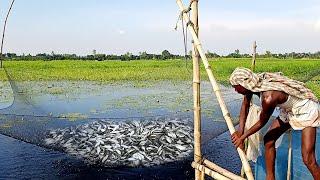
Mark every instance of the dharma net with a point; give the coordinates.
(118, 124)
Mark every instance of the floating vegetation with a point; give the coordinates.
(134, 143)
(6, 94)
(73, 116)
(56, 90)
(6, 125)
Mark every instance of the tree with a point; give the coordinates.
(268, 54)
(143, 55)
(236, 54)
(127, 56)
(212, 55)
(166, 54)
(100, 57)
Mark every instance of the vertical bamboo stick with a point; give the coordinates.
(289, 155)
(203, 174)
(253, 63)
(3, 32)
(196, 94)
(253, 66)
(217, 91)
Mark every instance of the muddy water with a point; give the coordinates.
(39, 106)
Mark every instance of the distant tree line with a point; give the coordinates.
(165, 55)
(94, 56)
(268, 54)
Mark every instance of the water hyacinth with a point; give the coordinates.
(133, 143)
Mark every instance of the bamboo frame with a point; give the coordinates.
(208, 171)
(217, 91)
(196, 95)
(3, 32)
(221, 170)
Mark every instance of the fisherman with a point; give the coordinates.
(299, 109)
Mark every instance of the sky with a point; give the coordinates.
(117, 27)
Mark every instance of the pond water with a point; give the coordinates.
(20, 160)
(6, 94)
(41, 106)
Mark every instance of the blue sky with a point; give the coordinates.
(116, 27)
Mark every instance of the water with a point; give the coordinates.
(20, 160)
(40, 106)
(6, 94)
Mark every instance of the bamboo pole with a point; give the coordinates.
(253, 67)
(217, 91)
(208, 171)
(3, 32)
(203, 174)
(221, 170)
(253, 63)
(289, 155)
(196, 94)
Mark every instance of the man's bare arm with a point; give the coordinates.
(269, 103)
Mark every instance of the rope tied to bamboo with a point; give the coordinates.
(184, 31)
(189, 23)
(187, 10)
(202, 158)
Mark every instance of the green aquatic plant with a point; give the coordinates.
(73, 116)
(141, 73)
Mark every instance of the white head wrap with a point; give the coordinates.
(270, 81)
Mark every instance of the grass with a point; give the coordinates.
(143, 71)
(3, 75)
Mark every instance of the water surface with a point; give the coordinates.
(42, 106)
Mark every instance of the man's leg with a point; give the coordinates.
(308, 140)
(277, 128)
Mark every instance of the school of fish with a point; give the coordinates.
(132, 143)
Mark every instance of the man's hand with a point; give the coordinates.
(237, 140)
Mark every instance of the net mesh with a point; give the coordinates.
(58, 115)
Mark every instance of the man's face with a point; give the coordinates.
(241, 90)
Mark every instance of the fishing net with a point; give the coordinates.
(118, 124)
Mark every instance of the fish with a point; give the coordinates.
(131, 143)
